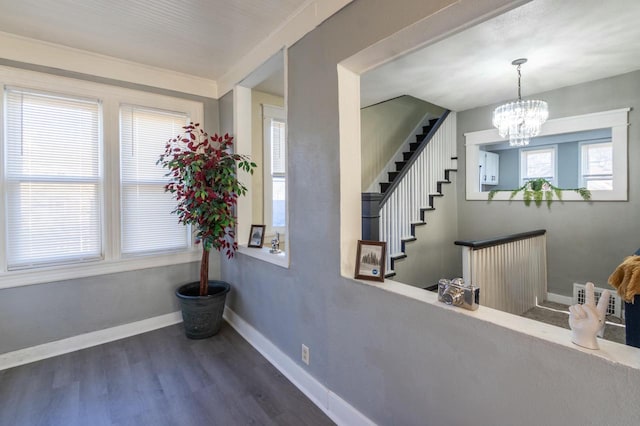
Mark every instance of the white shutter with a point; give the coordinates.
(53, 178)
(147, 224)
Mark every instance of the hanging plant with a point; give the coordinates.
(539, 190)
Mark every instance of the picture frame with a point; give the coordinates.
(371, 260)
(256, 236)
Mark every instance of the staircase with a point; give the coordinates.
(406, 155)
(417, 180)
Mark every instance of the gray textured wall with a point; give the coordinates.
(585, 241)
(397, 360)
(38, 314)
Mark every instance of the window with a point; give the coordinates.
(147, 224)
(80, 189)
(538, 163)
(596, 165)
(274, 125)
(53, 179)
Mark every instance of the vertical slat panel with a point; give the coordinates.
(512, 277)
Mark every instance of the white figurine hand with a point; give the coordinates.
(586, 320)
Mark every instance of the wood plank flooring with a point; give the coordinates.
(157, 378)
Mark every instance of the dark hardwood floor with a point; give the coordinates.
(156, 378)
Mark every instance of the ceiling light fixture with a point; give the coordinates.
(520, 120)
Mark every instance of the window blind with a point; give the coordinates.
(147, 224)
(53, 178)
(277, 148)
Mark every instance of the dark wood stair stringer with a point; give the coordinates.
(409, 157)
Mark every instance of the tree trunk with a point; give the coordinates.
(204, 272)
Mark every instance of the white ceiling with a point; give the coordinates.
(566, 41)
(198, 37)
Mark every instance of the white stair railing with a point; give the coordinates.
(403, 201)
(511, 271)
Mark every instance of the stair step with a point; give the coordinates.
(397, 256)
(420, 137)
(431, 287)
(392, 176)
(407, 239)
(414, 145)
(390, 274)
(454, 158)
(407, 155)
(384, 186)
(400, 165)
(428, 127)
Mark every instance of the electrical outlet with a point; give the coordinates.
(305, 354)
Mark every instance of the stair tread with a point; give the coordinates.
(409, 238)
(418, 222)
(400, 255)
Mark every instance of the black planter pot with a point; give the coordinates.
(202, 315)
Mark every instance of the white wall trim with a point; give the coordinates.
(23, 49)
(559, 298)
(339, 410)
(616, 119)
(83, 341)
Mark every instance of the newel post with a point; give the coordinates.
(371, 216)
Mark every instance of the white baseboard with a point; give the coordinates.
(338, 410)
(558, 298)
(82, 341)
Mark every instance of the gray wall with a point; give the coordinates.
(397, 360)
(585, 241)
(38, 314)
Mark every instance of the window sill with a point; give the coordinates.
(69, 272)
(281, 259)
(615, 353)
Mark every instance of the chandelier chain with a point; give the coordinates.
(519, 76)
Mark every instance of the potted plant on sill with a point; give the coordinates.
(202, 172)
(540, 189)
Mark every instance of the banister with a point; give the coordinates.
(413, 158)
(490, 242)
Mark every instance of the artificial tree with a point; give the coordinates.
(202, 169)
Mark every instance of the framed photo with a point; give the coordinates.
(256, 236)
(371, 260)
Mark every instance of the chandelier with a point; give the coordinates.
(520, 120)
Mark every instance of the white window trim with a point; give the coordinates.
(616, 119)
(582, 182)
(242, 132)
(553, 149)
(112, 97)
(269, 113)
